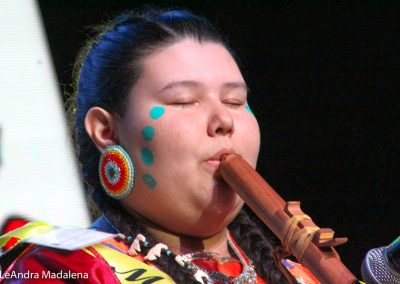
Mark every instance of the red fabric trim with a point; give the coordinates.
(11, 225)
(229, 268)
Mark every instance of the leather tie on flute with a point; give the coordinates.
(312, 246)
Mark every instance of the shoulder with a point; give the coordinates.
(28, 262)
(57, 266)
(105, 262)
(301, 273)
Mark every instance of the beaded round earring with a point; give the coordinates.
(117, 174)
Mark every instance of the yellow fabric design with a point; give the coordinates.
(27, 231)
(129, 269)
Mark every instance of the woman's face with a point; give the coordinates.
(187, 109)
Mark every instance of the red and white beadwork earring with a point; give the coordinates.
(117, 174)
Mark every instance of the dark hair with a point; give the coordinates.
(106, 71)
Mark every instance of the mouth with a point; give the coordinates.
(214, 161)
(213, 164)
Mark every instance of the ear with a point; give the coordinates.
(101, 128)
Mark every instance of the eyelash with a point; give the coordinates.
(182, 104)
(234, 104)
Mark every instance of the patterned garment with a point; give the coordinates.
(94, 267)
(109, 263)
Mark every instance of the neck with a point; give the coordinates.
(181, 244)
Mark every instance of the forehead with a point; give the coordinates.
(208, 63)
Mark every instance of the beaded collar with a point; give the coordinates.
(247, 276)
(208, 255)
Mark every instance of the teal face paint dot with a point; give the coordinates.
(157, 112)
(149, 181)
(147, 156)
(148, 133)
(249, 109)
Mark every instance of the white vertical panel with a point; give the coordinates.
(38, 173)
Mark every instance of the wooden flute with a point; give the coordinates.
(312, 246)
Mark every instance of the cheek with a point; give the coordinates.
(163, 141)
(175, 141)
(146, 136)
(249, 133)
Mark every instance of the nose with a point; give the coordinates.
(220, 121)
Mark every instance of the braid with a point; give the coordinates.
(129, 225)
(256, 244)
(246, 230)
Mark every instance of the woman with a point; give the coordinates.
(159, 99)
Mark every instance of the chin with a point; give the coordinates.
(213, 221)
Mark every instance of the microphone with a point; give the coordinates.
(382, 265)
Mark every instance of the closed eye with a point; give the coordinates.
(184, 103)
(234, 103)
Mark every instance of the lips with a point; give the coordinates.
(215, 160)
(213, 163)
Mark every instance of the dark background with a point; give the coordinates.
(324, 83)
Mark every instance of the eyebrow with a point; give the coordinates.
(196, 84)
(236, 85)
